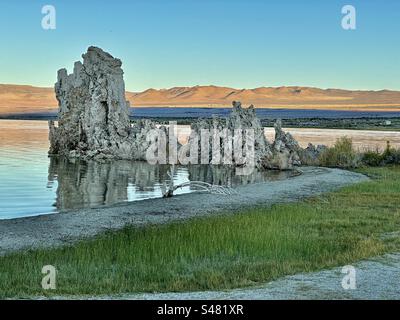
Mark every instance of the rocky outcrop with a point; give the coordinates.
(282, 154)
(239, 119)
(94, 114)
(311, 155)
(94, 122)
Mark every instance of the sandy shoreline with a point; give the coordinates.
(70, 226)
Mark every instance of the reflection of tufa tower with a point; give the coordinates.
(85, 184)
(93, 183)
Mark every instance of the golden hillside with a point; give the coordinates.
(24, 98)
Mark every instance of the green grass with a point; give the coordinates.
(222, 252)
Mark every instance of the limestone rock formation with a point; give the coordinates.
(285, 149)
(94, 114)
(311, 155)
(93, 120)
(282, 154)
(239, 118)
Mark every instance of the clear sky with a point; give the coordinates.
(236, 43)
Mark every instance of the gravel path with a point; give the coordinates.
(375, 279)
(70, 226)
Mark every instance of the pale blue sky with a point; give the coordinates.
(242, 44)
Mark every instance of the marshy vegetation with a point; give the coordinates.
(343, 155)
(387, 157)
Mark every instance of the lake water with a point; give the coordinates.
(31, 183)
(196, 112)
(278, 113)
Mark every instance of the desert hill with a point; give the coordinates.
(266, 97)
(25, 98)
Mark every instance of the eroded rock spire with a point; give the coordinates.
(93, 112)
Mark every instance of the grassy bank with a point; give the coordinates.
(257, 245)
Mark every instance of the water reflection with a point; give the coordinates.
(90, 184)
(226, 176)
(32, 184)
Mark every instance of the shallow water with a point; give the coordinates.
(31, 183)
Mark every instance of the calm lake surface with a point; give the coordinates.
(31, 183)
(197, 112)
(279, 113)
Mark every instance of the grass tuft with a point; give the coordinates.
(341, 155)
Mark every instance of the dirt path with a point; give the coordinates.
(70, 226)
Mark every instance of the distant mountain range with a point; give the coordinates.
(24, 98)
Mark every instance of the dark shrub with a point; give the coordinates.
(372, 158)
(341, 155)
(375, 158)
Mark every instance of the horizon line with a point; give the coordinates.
(220, 86)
